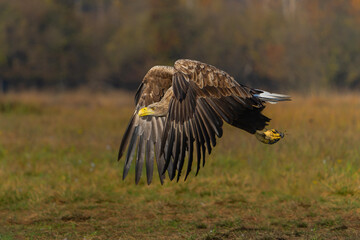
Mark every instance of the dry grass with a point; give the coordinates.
(60, 178)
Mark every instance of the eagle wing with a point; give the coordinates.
(143, 134)
(204, 97)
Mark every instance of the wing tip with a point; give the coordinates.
(120, 154)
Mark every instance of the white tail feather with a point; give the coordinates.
(272, 98)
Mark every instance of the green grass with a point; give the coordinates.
(60, 178)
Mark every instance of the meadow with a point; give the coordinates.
(60, 178)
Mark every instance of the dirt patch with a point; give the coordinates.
(76, 217)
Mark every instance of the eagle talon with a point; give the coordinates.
(269, 136)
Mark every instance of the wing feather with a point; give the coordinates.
(190, 147)
(140, 159)
(200, 125)
(169, 148)
(129, 130)
(142, 135)
(182, 151)
(177, 152)
(160, 160)
(150, 161)
(194, 132)
(131, 151)
(202, 139)
(210, 121)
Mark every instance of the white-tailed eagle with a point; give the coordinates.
(182, 108)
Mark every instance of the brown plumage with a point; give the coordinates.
(182, 108)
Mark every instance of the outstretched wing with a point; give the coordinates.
(204, 96)
(143, 135)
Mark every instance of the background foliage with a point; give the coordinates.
(292, 44)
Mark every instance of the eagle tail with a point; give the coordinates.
(272, 98)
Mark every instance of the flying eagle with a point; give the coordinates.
(182, 108)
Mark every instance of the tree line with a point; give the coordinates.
(279, 44)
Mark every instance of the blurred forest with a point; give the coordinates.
(279, 44)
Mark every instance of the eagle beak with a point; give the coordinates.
(145, 112)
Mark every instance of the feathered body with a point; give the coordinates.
(182, 108)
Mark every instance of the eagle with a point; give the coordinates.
(182, 108)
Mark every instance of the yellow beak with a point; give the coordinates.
(145, 112)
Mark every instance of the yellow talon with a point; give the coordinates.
(269, 136)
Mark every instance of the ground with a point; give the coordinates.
(60, 178)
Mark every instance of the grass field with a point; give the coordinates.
(60, 178)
